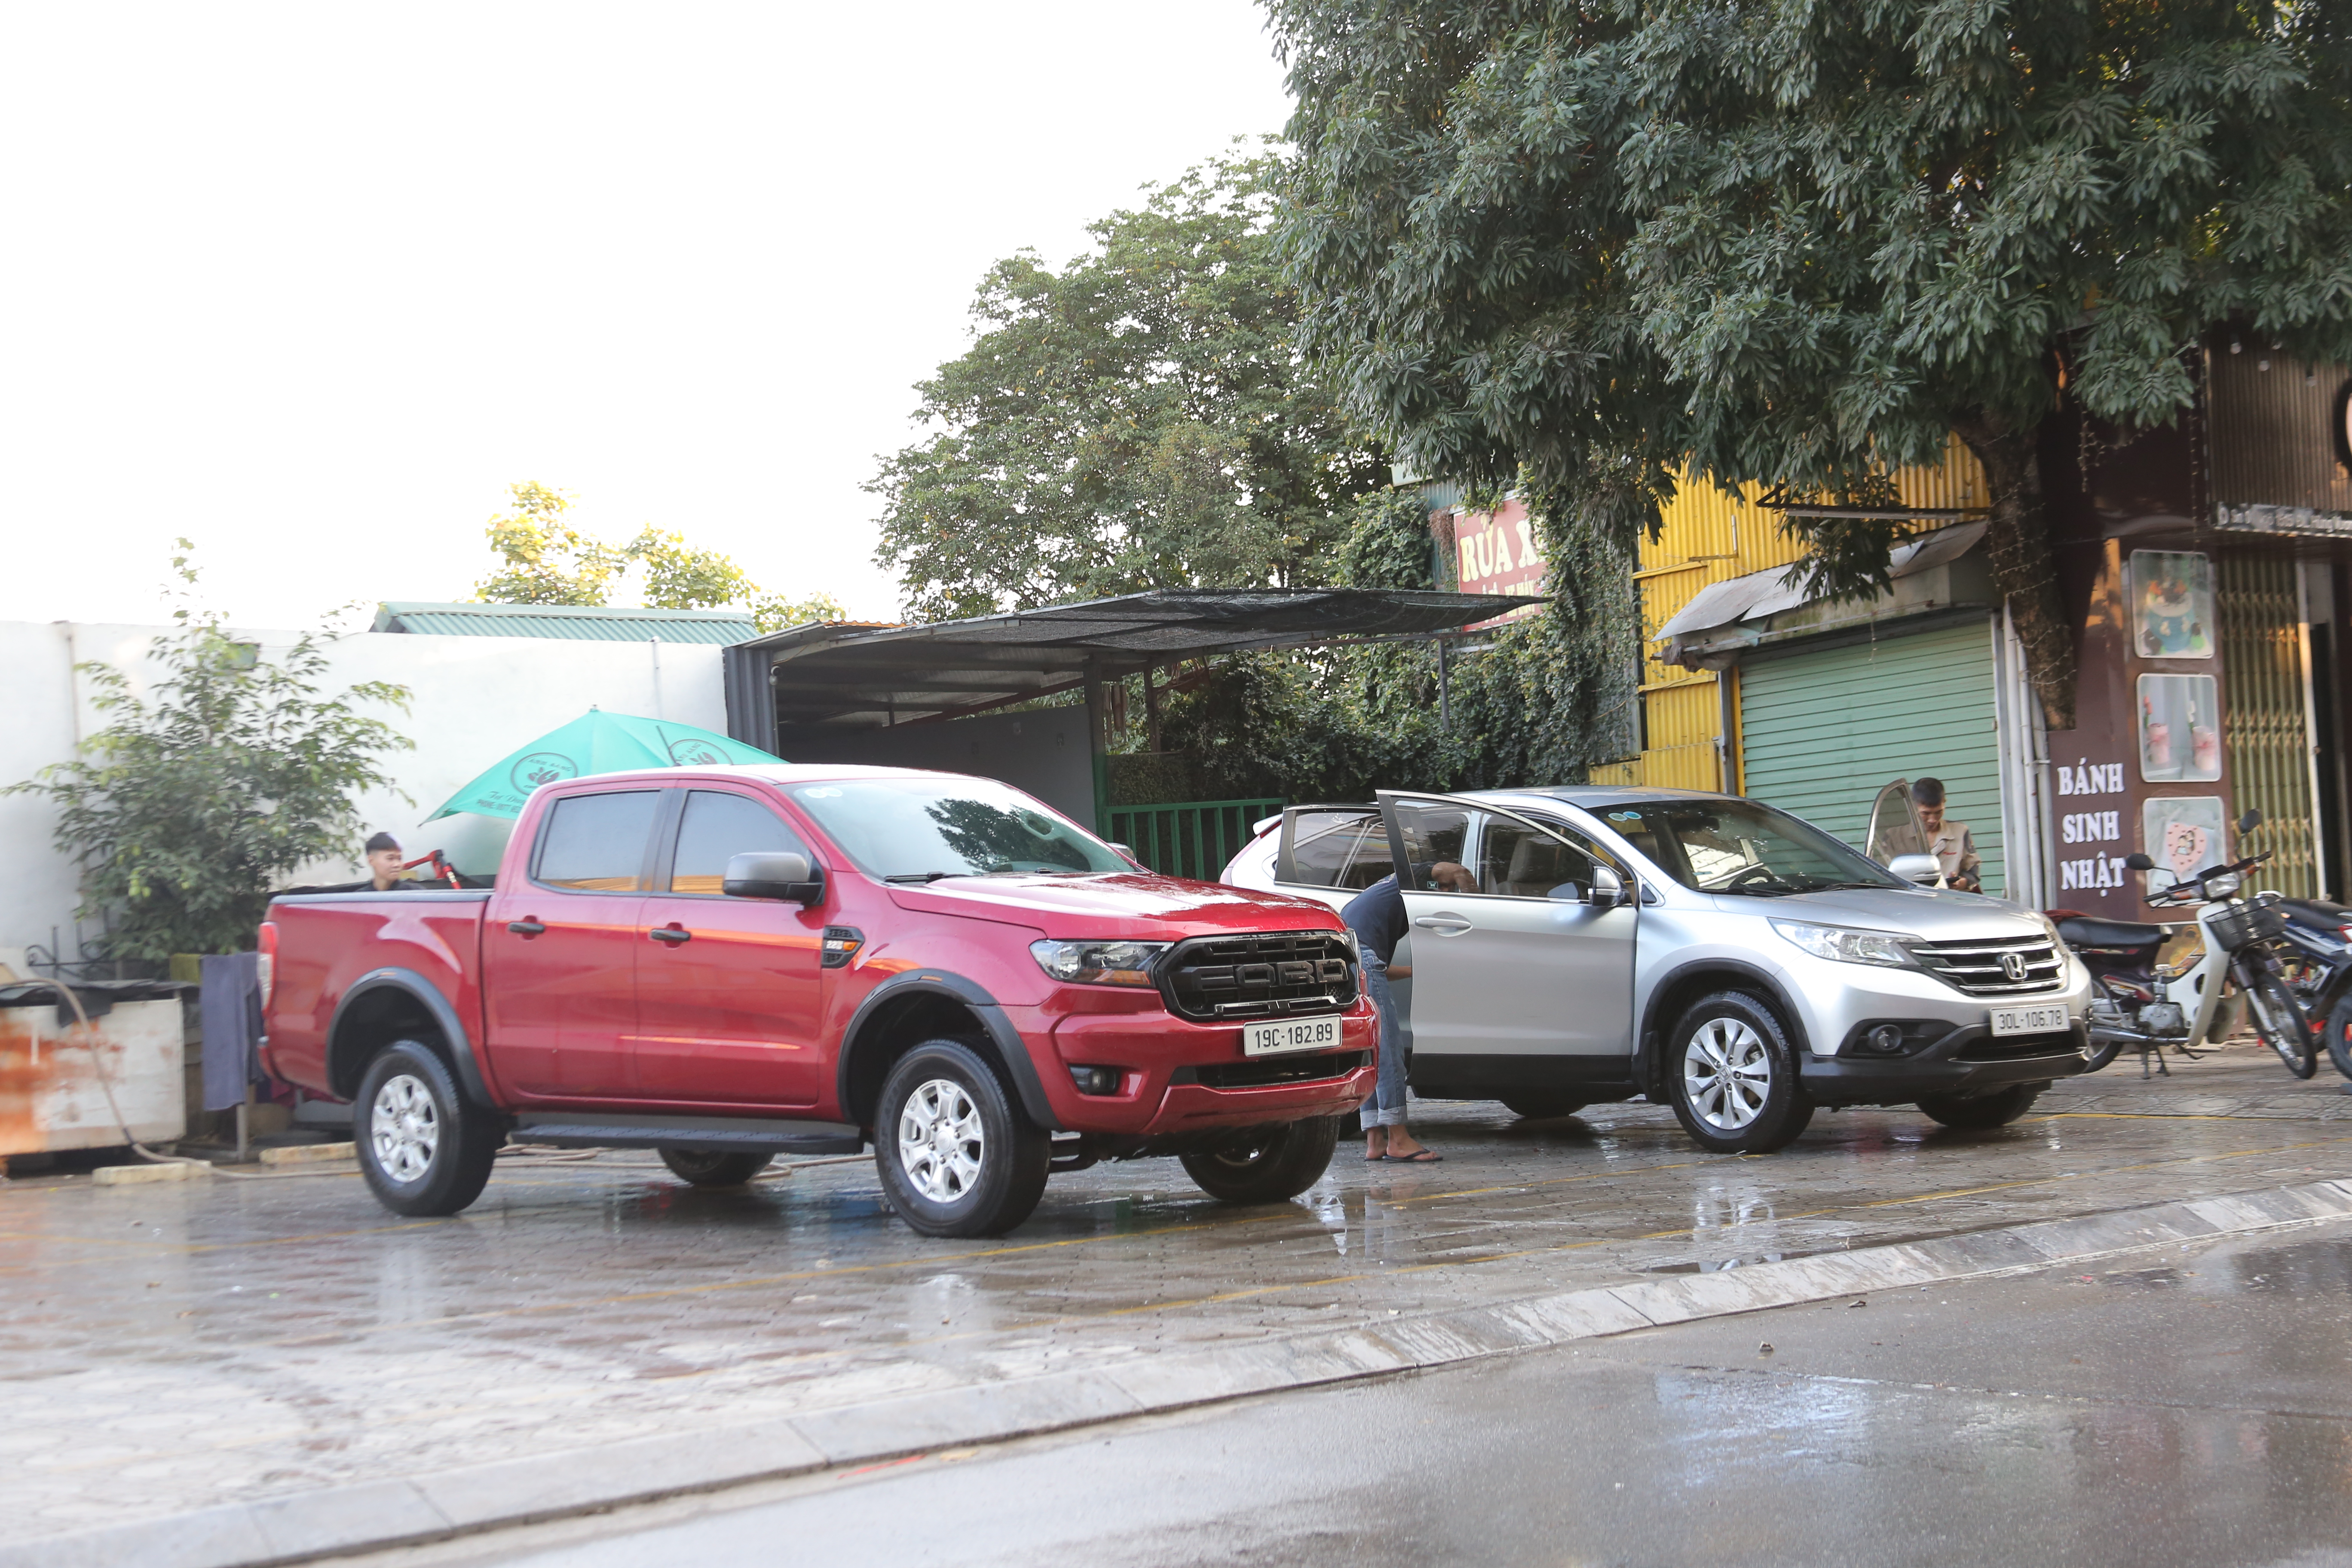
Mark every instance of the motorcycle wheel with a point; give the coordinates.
(2339, 1037)
(2100, 1055)
(2279, 1019)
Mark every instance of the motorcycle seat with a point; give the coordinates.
(2088, 931)
(2316, 912)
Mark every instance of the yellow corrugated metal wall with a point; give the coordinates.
(1709, 536)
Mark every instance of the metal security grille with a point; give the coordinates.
(1823, 730)
(2262, 726)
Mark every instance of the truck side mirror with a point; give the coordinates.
(1924, 869)
(787, 877)
(2138, 863)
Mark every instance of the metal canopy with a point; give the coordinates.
(858, 675)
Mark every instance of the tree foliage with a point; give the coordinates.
(1594, 240)
(548, 562)
(1141, 418)
(202, 795)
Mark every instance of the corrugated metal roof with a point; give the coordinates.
(574, 623)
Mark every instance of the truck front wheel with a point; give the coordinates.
(1732, 1077)
(957, 1154)
(421, 1148)
(1266, 1165)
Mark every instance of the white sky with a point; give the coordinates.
(312, 284)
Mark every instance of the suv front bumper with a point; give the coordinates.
(1965, 1061)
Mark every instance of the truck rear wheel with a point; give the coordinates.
(1268, 1165)
(708, 1170)
(1974, 1112)
(957, 1154)
(421, 1148)
(1732, 1077)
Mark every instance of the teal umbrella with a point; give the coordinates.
(595, 743)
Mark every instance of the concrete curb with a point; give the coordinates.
(375, 1514)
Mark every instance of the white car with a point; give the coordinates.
(1581, 944)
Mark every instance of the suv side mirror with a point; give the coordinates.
(1924, 869)
(787, 877)
(1607, 889)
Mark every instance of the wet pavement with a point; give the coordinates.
(2192, 1408)
(171, 1347)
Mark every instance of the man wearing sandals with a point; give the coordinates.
(1377, 917)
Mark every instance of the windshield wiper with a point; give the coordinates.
(924, 875)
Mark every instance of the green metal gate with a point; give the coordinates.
(1822, 731)
(1188, 838)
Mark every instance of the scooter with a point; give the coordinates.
(2241, 963)
(2320, 970)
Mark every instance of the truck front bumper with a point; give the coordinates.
(1177, 1077)
(1965, 1061)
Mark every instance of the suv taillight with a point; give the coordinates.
(267, 967)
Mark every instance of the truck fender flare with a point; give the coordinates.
(1649, 1062)
(445, 1018)
(983, 1006)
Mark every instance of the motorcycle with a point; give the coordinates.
(2320, 970)
(2154, 1008)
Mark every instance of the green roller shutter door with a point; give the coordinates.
(1821, 733)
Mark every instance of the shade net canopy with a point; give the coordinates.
(860, 675)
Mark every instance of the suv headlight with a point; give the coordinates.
(1098, 963)
(1848, 946)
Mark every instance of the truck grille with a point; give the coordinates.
(1262, 975)
(1981, 968)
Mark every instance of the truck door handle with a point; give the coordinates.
(671, 935)
(526, 927)
(1444, 925)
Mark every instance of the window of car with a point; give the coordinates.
(1341, 847)
(1732, 845)
(597, 843)
(1520, 860)
(714, 828)
(915, 829)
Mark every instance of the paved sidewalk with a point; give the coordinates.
(176, 1347)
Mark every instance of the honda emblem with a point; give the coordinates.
(2013, 965)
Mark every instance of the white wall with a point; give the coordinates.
(474, 700)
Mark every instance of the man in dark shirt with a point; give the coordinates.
(1377, 917)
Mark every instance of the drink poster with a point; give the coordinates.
(2179, 728)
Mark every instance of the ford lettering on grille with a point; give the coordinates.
(1278, 974)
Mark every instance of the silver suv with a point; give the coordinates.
(1575, 945)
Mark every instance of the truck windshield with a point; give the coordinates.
(1742, 846)
(918, 829)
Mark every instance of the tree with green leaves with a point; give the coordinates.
(1583, 244)
(206, 793)
(1141, 418)
(548, 562)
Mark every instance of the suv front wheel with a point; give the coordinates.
(958, 1156)
(1732, 1077)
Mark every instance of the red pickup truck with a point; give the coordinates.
(728, 964)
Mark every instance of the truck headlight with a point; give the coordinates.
(1098, 963)
(1846, 946)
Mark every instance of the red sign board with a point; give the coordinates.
(1496, 552)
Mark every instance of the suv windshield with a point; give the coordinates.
(1742, 846)
(916, 830)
